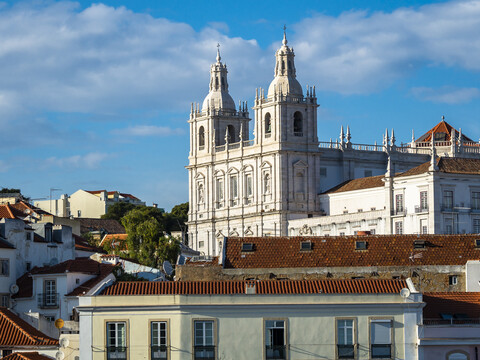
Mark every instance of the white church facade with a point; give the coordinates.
(266, 186)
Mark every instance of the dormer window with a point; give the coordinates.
(306, 245)
(247, 247)
(360, 245)
(419, 244)
(477, 243)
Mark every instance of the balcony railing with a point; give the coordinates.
(420, 209)
(275, 352)
(452, 321)
(47, 300)
(116, 352)
(399, 211)
(346, 351)
(159, 352)
(381, 351)
(204, 352)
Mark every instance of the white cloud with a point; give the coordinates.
(446, 94)
(360, 52)
(90, 161)
(148, 130)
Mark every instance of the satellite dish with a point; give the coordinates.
(59, 355)
(64, 342)
(14, 289)
(404, 293)
(167, 267)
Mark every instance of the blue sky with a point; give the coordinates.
(97, 95)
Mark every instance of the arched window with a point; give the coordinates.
(290, 67)
(457, 356)
(231, 133)
(283, 66)
(216, 83)
(223, 83)
(298, 124)
(201, 138)
(268, 124)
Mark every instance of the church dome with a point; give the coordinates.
(218, 100)
(288, 85)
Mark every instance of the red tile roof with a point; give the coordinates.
(79, 265)
(6, 212)
(382, 250)
(26, 356)
(444, 131)
(108, 226)
(358, 184)
(115, 241)
(27, 208)
(266, 287)
(448, 166)
(82, 244)
(17, 332)
(467, 303)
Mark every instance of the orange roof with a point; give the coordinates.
(266, 287)
(26, 356)
(6, 212)
(442, 131)
(358, 184)
(115, 241)
(448, 166)
(467, 303)
(382, 250)
(82, 244)
(27, 208)
(17, 332)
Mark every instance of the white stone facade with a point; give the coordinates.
(255, 187)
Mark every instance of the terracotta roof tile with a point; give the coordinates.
(26, 356)
(115, 241)
(441, 128)
(6, 212)
(16, 332)
(108, 226)
(382, 250)
(358, 184)
(448, 166)
(104, 271)
(83, 245)
(27, 208)
(467, 303)
(266, 287)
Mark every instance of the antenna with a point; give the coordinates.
(405, 293)
(167, 267)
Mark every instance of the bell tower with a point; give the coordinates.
(285, 116)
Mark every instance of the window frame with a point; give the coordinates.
(167, 335)
(398, 227)
(451, 198)
(475, 226)
(215, 334)
(391, 320)
(354, 337)
(7, 261)
(127, 328)
(423, 200)
(285, 335)
(475, 199)
(399, 203)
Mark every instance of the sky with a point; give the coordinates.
(97, 95)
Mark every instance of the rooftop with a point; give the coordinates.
(442, 131)
(452, 306)
(266, 287)
(108, 226)
(340, 251)
(26, 356)
(17, 332)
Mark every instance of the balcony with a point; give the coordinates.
(275, 352)
(346, 351)
(48, 300)
(158, 352)
(116, 352)
(204, 353)
(399, 212)
(421, 209)
(381, 351)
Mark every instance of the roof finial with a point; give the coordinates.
(218, 53)
(284, 42)
(443, 117)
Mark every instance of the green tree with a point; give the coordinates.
(146, 239)
(118, 210)
(9, 191)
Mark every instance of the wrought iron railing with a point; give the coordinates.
(346, 351)
(275, 352)
(116, 352)
(381, 351)
(48, 300)
(204, 353)
(158, 352)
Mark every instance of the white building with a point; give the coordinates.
(243, 187)
(437, 197)
(85, 203)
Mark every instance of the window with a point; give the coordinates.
(116, 340)
(219, 192)
(298, 124)
(248, 188)
(381, 339)
(231, 134)
(360, 245)
(306, 245)
(476, 200)
(452, 280)
(158, 340)
(204, 341)
(201, 138)
(79, 213)
(457, 356)
(50, 294)
(234, 190)
(201, 244)
(268, 124)
(275, 339)
(28, 266)
(398, 227)
(5, 300)
(476, 226)
(345, 342)
(423, 226)
(448, 199)
(4, 267)
(399, 203)
(423, 200)
(248, 247)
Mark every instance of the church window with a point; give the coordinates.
(223, 83)
(201, 138)
(283, 66)
(268, 124)
(248, 188)
(233, 190)
(216, 83)
(298, 124)
(231, 133)
(219, 192)
(290, 67)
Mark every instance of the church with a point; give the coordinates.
(269, 185)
